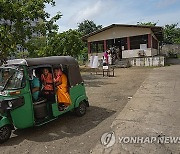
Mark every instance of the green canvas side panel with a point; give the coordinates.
(23, 116)
(76, 92)
(55, 110)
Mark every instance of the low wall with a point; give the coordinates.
(148, 61)
(137, 61)
(154, 52)
(135, 53)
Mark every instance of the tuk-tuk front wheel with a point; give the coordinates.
(81, 109)
(5, 133)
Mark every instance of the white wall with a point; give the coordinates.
(154, 52)
(148, 61)
(135, 53)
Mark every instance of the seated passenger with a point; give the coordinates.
(35, 87)
(63, 97)
(47, 81)
(6, 74)
(5, 77)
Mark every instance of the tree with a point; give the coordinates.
(16, 23)
(147, 23)
(66, 43)
(36, 45)
(88, 26)
(171, 34)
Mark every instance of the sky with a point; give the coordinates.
(107, 12)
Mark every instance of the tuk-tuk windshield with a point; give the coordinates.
(11, 78)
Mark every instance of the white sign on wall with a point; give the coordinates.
(91, 61)
(143, 46)
(95, 62)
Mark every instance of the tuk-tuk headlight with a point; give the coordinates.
(4, 93)
(10, 104)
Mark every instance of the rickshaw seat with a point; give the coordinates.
(40, 101)
(40, 108)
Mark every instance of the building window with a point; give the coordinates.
(118, 43)
(110, 43)
(124, 43)
(135, 41)
(97, 47)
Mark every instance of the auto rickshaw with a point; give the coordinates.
(17, 108)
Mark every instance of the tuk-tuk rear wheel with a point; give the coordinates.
(81, 109)
(5, 133)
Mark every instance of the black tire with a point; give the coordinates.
(81, 109)
(5, 133)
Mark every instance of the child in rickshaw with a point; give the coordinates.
(63, 97)
(47, 84)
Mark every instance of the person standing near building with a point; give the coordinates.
(107, 55)
(109, 58)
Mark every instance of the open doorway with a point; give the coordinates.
(118, 44)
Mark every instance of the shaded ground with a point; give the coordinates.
(70, 134)
(173, 61)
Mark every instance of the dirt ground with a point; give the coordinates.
(71, 134)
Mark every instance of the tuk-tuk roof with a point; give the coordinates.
(74, 73)
(53, 60)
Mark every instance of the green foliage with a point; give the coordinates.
(147, 23)
(88, 26)
(171, 34)
(15, 23)
(83, 57)
(66, 43)
(35, 46)
(172, 54)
